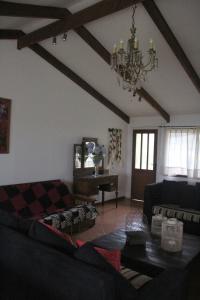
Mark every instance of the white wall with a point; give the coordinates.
(155, 123)
(49, 114)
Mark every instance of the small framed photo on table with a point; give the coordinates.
(5, 108)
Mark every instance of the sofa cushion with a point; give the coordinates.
(111, 256)
(197, 190)
(175, 211)
(171, 191)
(14, 222)
(188, 197)
(35, 199)
(41, 233)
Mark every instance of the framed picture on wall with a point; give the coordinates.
(5, 108)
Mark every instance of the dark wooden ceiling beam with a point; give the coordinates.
(91, 41)
(144, 94)
(12, 9)
(10, 34)
(169, 36)
(91, 13)
(78, 80)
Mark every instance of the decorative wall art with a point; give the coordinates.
(115, 147)
(5, 107)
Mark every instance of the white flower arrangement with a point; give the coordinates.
(98, 152)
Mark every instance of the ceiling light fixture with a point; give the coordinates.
(129, 64)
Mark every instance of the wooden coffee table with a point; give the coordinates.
(151, 260)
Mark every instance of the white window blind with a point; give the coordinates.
(182, 152)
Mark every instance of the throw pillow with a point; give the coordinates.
(171, 191)
(88, 255)
(59, 233)
(111, 256)
(42, 234)
(188, 197)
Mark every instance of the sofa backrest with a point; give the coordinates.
(32, 200)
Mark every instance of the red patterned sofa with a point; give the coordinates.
(49, 201)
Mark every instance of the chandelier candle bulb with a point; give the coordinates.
(114, 48)
(151, 45)
(121, 45)
(135, 43)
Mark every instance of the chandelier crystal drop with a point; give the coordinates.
(129, 65)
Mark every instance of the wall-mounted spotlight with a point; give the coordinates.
(64, 37)
(54, 41)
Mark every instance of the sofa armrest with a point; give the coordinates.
(152, 196)
(78, 199)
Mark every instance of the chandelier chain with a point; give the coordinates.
(133, 15)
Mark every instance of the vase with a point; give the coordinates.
(96, 170)
(172, 235)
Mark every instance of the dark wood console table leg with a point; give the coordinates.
(116, 199)
(103, 198)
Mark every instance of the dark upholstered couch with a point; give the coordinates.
(50, 201)
(174, 199)
(37, 264)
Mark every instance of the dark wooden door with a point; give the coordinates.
(144, 161)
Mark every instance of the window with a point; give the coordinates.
(182, 152)
(144, 151)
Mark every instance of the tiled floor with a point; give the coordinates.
(109, 219)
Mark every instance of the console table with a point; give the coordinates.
(90, 185)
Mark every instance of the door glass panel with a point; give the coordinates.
(144, 151)
(137, 150)
(151, 151)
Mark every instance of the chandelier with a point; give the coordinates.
(129, 65)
